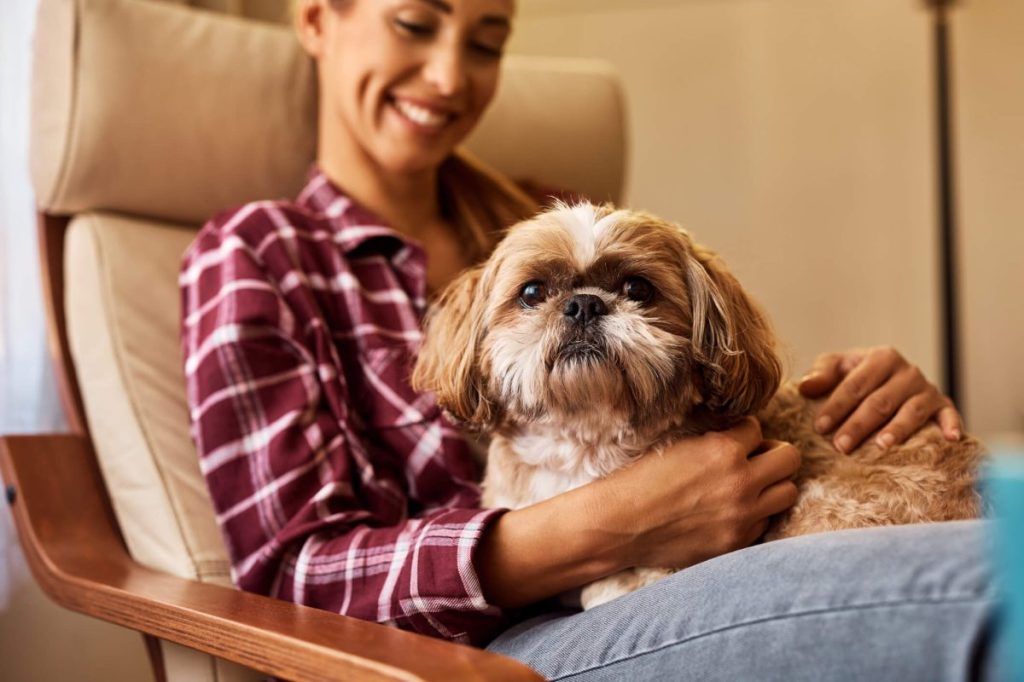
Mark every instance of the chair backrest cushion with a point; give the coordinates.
(122, 314)
(173, 113)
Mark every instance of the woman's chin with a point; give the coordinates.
(406, 160)
(410, 150)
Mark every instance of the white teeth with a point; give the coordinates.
(420, 115)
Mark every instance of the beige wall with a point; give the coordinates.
(796, 137)
(792, 136)
(989, 73)
(42, 642)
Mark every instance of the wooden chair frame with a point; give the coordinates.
(70, 537)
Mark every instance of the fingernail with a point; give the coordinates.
(822, 425)
(806, 378)
(954, 434)
(885, 441)
(843, 443)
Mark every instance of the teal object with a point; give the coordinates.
(1003, 486)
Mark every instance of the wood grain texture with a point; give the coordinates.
(76, 554)
(51, 230)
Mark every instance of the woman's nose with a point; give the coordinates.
(446, 70)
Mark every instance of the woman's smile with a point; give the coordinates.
(422, 117)
(406, 80)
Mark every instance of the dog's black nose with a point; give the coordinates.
(582, 308)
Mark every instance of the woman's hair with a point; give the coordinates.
(481, 202)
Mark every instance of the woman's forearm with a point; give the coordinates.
(553, 546)
(697, 498)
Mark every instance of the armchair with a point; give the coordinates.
(148, 118)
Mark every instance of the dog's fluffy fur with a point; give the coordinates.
(567, 403)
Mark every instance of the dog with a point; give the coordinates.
(593, 335)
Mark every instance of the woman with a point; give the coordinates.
(339, 487)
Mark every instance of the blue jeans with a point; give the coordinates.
(902, 603)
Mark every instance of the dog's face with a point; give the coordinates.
(586, 310)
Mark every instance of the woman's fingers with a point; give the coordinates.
(862, 381)
(747, 433)
(823, 377)
(876, 390)
(911, 416)
(777, 462)
(878, 408)
(756, 531)
(777, 498)
(828, 370)
(950, 421)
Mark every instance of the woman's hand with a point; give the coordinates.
(698, 498)
(876, 389)
(703, 496)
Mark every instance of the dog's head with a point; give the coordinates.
(586, 309)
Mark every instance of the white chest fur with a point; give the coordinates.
(546, 461)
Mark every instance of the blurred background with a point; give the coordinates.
(796, 137)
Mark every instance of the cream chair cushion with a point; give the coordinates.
(174, 113)
(165, 111)
(122, 312)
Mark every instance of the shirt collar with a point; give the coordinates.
(357, 228)
(354, 224)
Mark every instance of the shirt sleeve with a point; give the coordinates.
(303, 503)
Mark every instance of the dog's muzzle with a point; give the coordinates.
(585, 309)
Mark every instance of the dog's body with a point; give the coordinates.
(924, 479)
(594, 336)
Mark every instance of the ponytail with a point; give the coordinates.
(481, 202)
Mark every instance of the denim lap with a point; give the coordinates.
(902, 603)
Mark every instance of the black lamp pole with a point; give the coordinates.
(948, 273)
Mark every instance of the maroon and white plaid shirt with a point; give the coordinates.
(334, 483)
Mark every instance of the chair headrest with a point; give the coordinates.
(175, 113)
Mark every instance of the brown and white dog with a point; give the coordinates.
(594, 335)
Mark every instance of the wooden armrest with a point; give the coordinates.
(70, 538)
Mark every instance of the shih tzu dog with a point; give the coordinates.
(594, 335)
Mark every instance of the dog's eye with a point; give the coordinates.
(533, 294)
(638, 289)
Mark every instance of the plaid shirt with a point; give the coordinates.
(334, 483)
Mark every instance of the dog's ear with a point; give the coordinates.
(449, 361)
(733, 340)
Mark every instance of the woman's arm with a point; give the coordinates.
(314, 511)
(702, 497)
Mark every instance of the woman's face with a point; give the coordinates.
(404, 81)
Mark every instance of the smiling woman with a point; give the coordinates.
(402, 83)
(300, 320)
(338, 485)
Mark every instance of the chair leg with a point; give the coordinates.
(156, 658)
